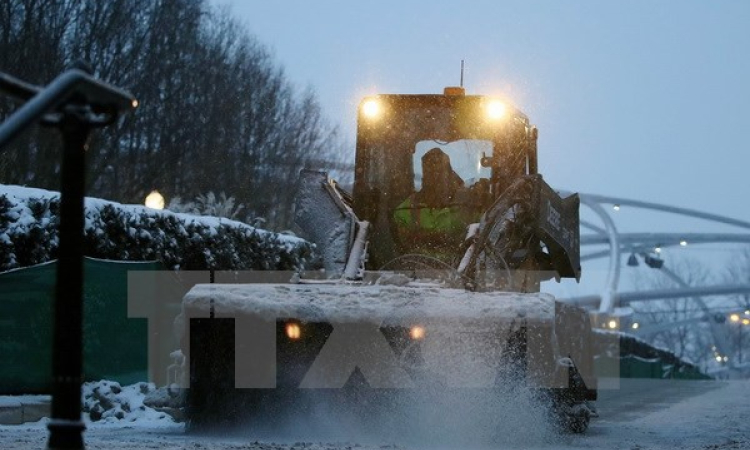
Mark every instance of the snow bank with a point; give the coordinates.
(29, 235)
(107, 402)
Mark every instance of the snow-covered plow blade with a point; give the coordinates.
(266, 352)
(323, 211)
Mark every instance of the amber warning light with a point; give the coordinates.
(454, 91)
(293, 331)
(417, 333)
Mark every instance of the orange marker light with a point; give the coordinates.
(293, 331)
(416, 333)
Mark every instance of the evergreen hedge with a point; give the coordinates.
(29, 221)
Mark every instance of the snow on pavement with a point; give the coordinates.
(716, 419)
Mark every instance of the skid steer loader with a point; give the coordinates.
(431, 276)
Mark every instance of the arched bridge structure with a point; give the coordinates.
(635, 248)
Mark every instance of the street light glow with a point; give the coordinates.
(683, 243)
(635, 325)
(612, 324)
(734, 317)
(155, 200)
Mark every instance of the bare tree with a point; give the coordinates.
(686, 333)
(738, 272)
(32, 43)
(217, 113)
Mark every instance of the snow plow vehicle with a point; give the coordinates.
(430, 283)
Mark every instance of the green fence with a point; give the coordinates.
(631, 366)
(626, 356)
(115, 346)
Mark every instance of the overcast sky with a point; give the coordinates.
(643, 99)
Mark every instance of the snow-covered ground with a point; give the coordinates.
(642, 414)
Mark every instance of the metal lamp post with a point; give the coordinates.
(741, 321)
(75, 103)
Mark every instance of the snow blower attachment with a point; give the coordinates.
(326, 214)
(433, 269)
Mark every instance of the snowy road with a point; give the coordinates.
(642, 414)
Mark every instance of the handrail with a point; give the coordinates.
(72, 86)
(17, 88)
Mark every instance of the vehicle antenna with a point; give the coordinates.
(462, 73)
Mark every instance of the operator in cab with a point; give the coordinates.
(433, 221)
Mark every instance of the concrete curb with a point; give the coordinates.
(16, 410)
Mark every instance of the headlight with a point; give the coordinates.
(293, 331)
(495, 109)
(371, 108)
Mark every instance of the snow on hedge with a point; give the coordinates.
(29, 235)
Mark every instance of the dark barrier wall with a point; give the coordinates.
(115, 346)
(620, 355)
